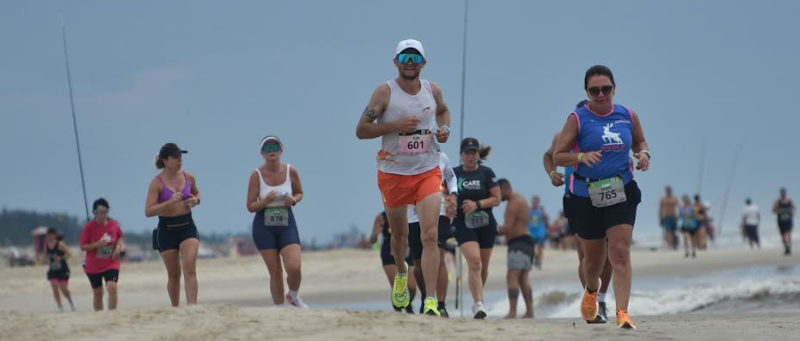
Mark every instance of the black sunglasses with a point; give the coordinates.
(606, 89)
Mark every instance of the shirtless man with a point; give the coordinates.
(668, 214)
(520, 249)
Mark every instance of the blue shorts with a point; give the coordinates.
(274, 237)
(670, 224)
(484, 236)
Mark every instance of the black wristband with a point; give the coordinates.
(478, 203)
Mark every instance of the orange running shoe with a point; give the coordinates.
(623, 320)
(589, 306)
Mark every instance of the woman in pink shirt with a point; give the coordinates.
(102, 241)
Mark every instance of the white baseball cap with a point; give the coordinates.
(409, 44)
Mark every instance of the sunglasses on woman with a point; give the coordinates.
(605, 89)
(271, 147)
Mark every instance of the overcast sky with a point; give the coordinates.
(215, 77)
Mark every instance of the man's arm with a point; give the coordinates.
(367, 128)
(442, 114)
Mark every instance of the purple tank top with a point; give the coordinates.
(167, 193)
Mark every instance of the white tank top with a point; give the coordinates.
(283, 189)
(410, 154)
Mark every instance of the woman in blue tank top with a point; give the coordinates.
(606, 196)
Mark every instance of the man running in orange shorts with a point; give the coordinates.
(411, 117)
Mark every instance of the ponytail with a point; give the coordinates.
(159, 163)
(484, 154)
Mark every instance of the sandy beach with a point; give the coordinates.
(235, 303)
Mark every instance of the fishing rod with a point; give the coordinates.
(459, 261)
(702, 165)
(74, 120)
(728, 187)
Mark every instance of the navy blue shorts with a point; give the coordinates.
(752, 232)
(415, 241)
(387, 258)
(172, 231)
(484, 236)
(274, 237)
(592, 222)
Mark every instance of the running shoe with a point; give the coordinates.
(623, 320)
(431, 307)
(602, 313)
(589, 306)
(443, 310)
(297, 302)
(401, 298)
(410, 310)
(477, 311)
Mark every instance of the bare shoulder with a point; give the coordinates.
(190, 176)
(634, 115)
(382, 90)
(519, 201)
(436, 89)
(155, 182)
(293, 170)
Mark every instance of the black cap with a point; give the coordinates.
(470, 143)
(170, 149)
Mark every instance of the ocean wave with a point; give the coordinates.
(748, 295)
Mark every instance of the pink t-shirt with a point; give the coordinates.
(100, 260)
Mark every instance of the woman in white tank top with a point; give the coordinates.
(274, 189)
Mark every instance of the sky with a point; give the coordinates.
(706, 78)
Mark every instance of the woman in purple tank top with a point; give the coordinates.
(172, 195)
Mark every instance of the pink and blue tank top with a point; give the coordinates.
(611, 133)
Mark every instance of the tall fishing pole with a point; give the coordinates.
(460, 265)
(728, 188)
(74, 120)
(702, 165)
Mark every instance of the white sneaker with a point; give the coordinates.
(478, 312)
(298, 302)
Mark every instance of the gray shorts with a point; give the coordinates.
(520, 253)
